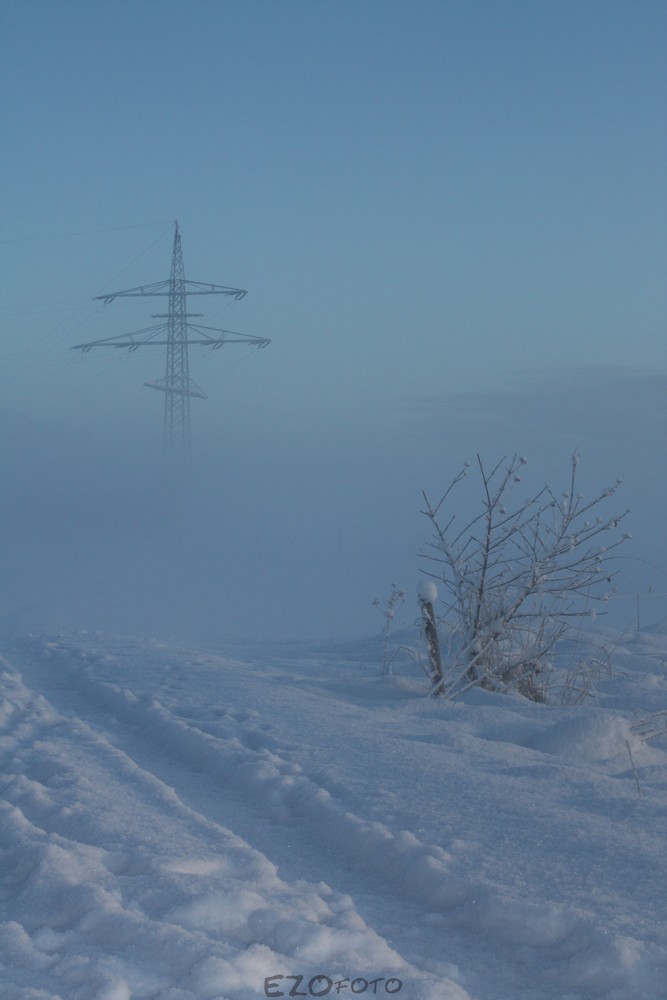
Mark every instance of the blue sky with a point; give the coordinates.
(423, 199)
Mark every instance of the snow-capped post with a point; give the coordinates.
(427, 594)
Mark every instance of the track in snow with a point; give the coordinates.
(126, 889)
(188, 781)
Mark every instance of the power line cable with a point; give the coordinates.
(82, 232)
(94, 309)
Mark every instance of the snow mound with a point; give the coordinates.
(589, 736)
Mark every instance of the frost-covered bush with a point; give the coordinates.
(397, 596)
(517, 575)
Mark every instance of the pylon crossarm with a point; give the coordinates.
(163, 288)
(191, 389)
(202, 288)
(127, 340)
(205, 341)
(228, 337)
(155, 289)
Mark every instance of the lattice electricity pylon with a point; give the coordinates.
(177, 386)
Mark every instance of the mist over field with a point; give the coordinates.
(450, 221)
(219, 776)
(293, 530)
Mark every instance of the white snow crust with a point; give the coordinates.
(427, 591)
(196, 823)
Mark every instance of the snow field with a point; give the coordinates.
(118, 889)
(474, 850)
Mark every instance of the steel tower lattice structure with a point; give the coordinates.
(174, 334)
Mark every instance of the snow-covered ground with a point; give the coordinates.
(281, 820)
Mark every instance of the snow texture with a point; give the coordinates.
(427, 592)
(205, 823)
